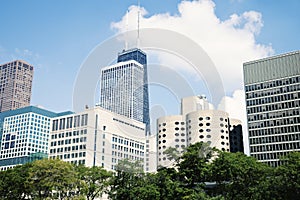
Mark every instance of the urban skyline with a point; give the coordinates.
(238, 7)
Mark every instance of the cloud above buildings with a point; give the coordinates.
(229, 42)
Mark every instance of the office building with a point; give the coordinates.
(122, 89)
(272, 87)
(139, 56)
(236, 136)
(98, 137)
(197, 123)
(24, 135)
(15, 85)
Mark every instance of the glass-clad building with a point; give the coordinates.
(24, 135)
(122, 89)
(141, 57)
(272, 87)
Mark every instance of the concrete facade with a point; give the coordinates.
(272, 87)
(15, 85)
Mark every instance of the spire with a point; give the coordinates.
(138, 26)
(126, 33)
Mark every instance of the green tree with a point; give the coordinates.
(194, 165)
(14, 183)
(240, 177)
(94, 181)
(52, 178)
(131, 183)
(286, 180)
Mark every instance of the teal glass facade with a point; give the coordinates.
(24, 135)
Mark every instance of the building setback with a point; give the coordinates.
(15, 85)
(272, 87)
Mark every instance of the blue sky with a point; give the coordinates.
(56, 36)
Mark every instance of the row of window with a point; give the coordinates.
(68, 141)
(67, 149)
(68, 134)
(276, 114)
(70, 122)
(273, 107)
(128, 142)
(126, 149)
(69, 155)
(275, 130)
(276, 138)
(276, 147)
(276, 122)
(273, 83)
(273, 99)
(273, 91)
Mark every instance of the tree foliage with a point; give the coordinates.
(199, 173)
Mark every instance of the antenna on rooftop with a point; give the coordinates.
(138, 26)
(126, 33)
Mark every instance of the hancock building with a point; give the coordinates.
(124, 86)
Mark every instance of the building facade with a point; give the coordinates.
(24, 135)
(171, 133)
(141, 57)
(236, 136)
(15, 85)
(272, 87)
(97, 137)
(196, 124)
(122, 89)
(210, 126)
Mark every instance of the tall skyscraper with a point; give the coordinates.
(122, 89)
(272, 87)
(15, 85)
(141, 57)
(107, 99)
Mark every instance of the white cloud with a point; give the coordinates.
(229, 43)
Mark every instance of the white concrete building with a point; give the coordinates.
(209, 126)
(197, 123)
(171, 133)
(98, 137)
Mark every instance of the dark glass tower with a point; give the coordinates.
(141, 57)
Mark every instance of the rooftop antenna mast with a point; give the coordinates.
(138, 26)
(126, 33)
